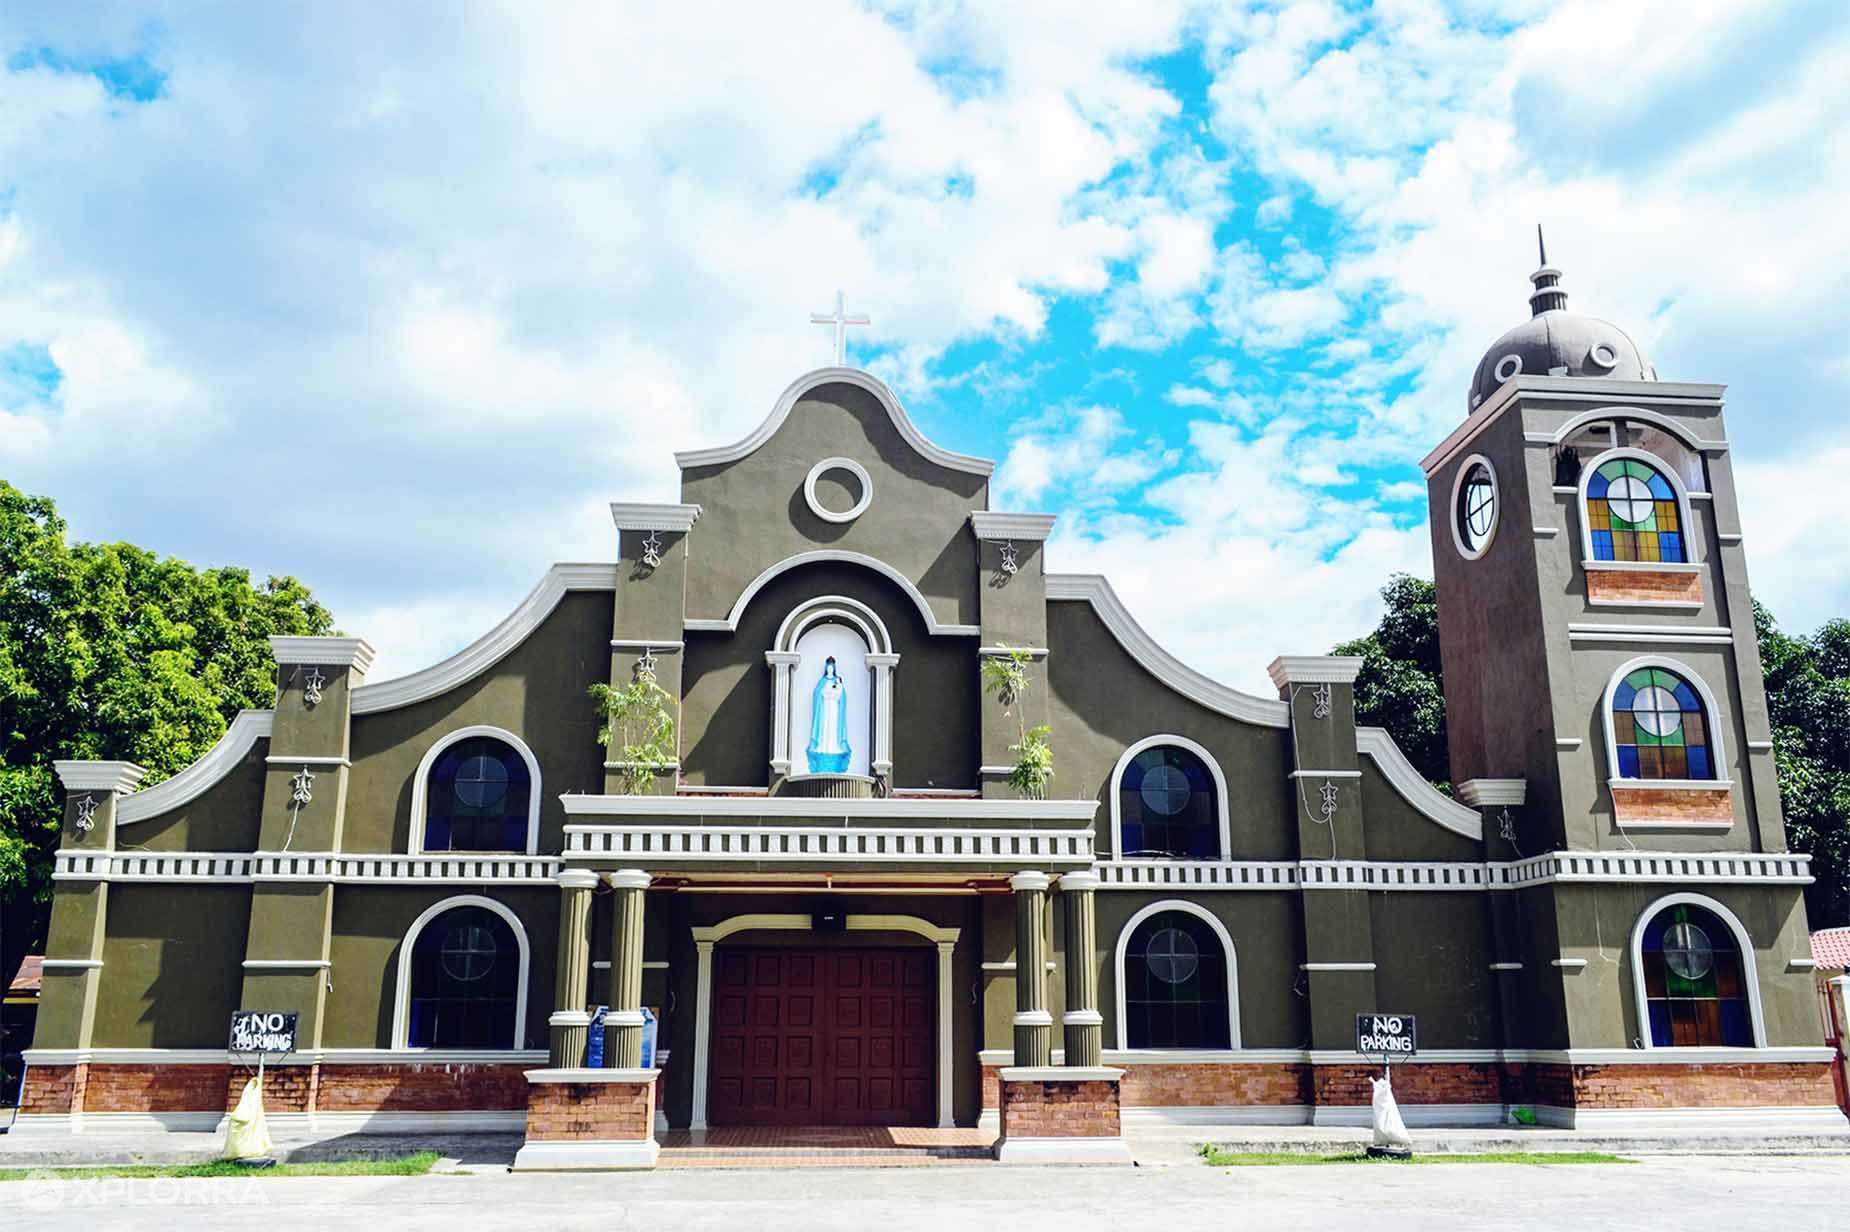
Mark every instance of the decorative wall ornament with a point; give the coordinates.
(645, 666)
(86, 814)
(1010, 564)
(1320, 701)
(312, 686)
(1506, 827)
(652, 550)
(1327, 799)
(301, 787)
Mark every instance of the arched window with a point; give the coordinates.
(477, 790)
(1697, 988)
(1176, 984)
(1634, 513)
(1170, 801)
(1660, 729)
(463, 977)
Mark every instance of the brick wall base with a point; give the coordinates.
(589, 1120)
(1059, 1115)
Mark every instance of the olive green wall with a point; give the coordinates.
(1103, 701)
(538, 692)
(369, 932)
(1432, 959)
(224, 817)
(727, 706)
(1392, 829)
(755, 513)
(172, 965)
(1267, 943)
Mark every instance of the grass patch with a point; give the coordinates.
(402, 1165)
(1215, 1157)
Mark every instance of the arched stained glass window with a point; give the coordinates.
(1694, 981)
(1175, 984)
(1659, 727)
(1633, 514)
(477, 798)
(465, 981)
(1167, 806)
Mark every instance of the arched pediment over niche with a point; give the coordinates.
(760, 498)
(729, 688)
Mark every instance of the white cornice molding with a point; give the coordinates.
(353, 653)
(873, 811)
(1314, 669)
(1012, 527)
(630, 515)
(1137, 642)
(1413, 787)
(1490, 793)
(245, 731)
(491, 647)
(1616, 398)
(688, 458)
(841, 557)
(119, 776)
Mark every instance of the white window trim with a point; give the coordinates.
(1222, 818)
(783, 660)
(707, 936)
(1226, 945)
(1669, 472)
(1712, 715)
(1496, 506)
(420, 786)
(401, 1006)
(1743, 942)
(861, 476)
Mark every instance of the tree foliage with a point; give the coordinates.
(1808, 695)
(110, 651)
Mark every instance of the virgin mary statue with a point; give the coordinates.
(828, 723)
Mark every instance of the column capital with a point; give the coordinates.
(1314, 669)
(1080, 882)
(1029, 881)
(353, 653)
(628, 879)
(782, 658)
(117, 776)
(576, 879)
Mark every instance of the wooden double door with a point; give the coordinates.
(823, 1036)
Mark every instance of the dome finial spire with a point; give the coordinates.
(1549, 294)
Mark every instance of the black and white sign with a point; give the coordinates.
(1386, 1035)
(266, 1032)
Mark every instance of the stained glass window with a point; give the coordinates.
(477, 798)
(1659, 727)
(1167, 806)
(1175, 984)
(465, 981)
(1632, 513)
(1694, 982)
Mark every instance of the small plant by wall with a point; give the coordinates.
(639, 729)
(1005, 677)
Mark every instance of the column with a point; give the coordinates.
(623, 1023)
(1085, 1026)
(648, 617)
(783, 665)
(570, 1022)
(881, 763)
(1033, 1022)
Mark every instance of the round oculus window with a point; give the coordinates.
(1172, 956)
(468, 952)
(481, 781)
(1474, 508)
(1688, 952)
(1165, 790)
(838, 490)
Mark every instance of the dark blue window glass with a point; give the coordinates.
(1167, 806)
(1175, 984)
(478, 798)
(465, 982)
(1694, 981)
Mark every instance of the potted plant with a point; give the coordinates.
(1005, 677)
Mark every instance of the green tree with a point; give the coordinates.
(1808, 695)
(110, 651)
(1401, 686)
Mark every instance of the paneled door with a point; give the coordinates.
(823, 1036)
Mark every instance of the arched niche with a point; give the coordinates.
(833, 664)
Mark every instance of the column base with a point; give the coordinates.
(589, 1120)
(1061, 1114)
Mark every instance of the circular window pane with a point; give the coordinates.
(1165, 790)
(481, 781)
(1655, 709)
(468, 952)
(1687, 951)
(1172, 955)
(1474, 513)
(1629, 498)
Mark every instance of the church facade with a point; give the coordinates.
(800, 863)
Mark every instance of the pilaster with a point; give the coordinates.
(1013, 606)
(1033, 1021)
(650, 613)
(80, 909)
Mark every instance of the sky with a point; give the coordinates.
(398, 298)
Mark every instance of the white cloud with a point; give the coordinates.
(1087, 452)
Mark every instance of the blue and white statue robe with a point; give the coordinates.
(828, 725)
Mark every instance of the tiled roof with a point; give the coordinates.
(1831, 947)
(33, 966)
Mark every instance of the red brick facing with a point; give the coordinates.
(1643, 586)
(1671, 805)
(286, 1088)
(155, 1088)
(1744, 1085)
(1443, 1083)
(422, 1088)
(1060, 1110)
(52, 1089)
(591, 1111)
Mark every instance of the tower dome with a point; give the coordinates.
(1556, 342)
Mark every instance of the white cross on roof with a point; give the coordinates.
(841, 321)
